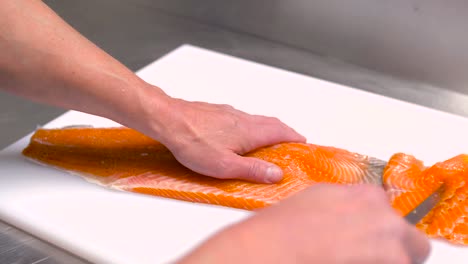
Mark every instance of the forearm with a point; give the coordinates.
(249, 241)
(44, 59)
(230, 246)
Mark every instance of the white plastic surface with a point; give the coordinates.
(106, 226)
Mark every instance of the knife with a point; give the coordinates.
(425, 207)
(374, 176)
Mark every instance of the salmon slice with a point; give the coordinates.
(124, 159)
(408, 183)
(449, 218)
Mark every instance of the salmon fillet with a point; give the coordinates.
(124, 159)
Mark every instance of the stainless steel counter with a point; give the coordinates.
(139, 32)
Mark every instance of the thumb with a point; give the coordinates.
(252, 169)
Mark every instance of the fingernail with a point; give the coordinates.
(273, 174)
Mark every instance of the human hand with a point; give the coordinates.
(204, 137)
(209, 138)
(322, 224)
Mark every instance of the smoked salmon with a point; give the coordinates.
(124, 159)
(410, 182)
(449, 218)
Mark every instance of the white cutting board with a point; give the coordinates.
(107, 226)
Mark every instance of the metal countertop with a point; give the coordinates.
(138, 33)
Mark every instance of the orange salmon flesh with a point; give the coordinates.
(124, 159)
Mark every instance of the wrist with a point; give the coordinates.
(146, 110)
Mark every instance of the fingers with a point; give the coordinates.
(223, 133)
(269, 131)
(250, 169)
(417, 244)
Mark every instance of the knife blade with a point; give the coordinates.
(425, 207)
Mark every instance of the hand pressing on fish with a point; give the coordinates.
(322, 224)
(210, 138)
(73, 73)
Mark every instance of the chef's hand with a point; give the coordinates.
(209, 138)
(323, 224)
(60, 67)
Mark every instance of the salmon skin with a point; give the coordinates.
(124, 159)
